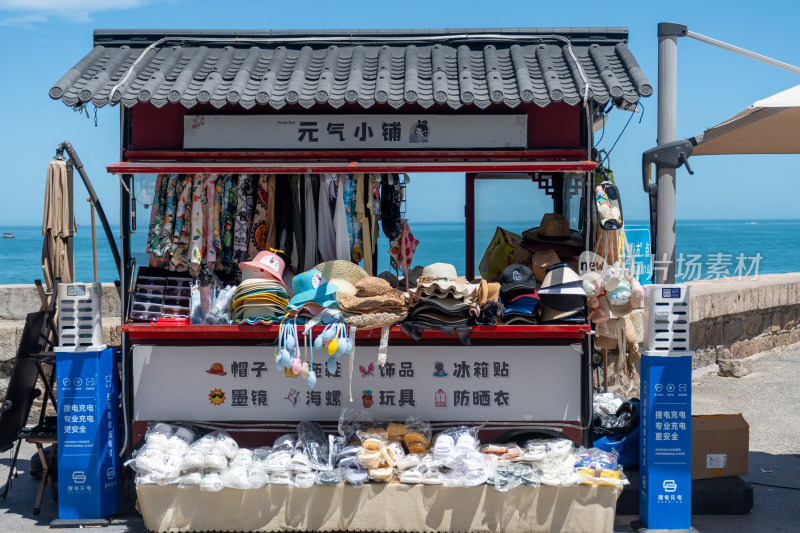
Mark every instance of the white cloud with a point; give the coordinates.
(23, 21)
(40, 11)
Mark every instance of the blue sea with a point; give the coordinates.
(705, 248)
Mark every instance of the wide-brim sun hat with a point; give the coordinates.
(373, 320)
(343, 274)
(373, 294)
(311, 287)
(553, 230)
(266, 264)
(560, 274)
(549, 314)
(442, 278)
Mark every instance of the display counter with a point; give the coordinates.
(381, 507)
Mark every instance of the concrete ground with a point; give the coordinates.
(768, 398)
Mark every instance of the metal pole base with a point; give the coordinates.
(638, 526)
(80, 522)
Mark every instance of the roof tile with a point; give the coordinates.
(331, 68)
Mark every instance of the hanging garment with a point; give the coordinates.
(153, 235)
(391, 200)
(211, 204)
(373, 210)
(310, 222)
(244, 210)
(220, 203)
(169, 220)
(263, 233)
(362, 188)
(402, 250)
(283, 218)
(353, 224)
(229, 219)
(180, 233)
(198, 222)
(342, 249)
(298, 249)
(326, 236)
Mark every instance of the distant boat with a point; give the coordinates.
(8, 235)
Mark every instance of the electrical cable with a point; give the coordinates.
(773, 486)
(618, 137)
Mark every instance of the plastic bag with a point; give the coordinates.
(212, 482)
(286, 442)
(417, 435)
(311, 439)
(624, 421)
(353, 420)
(158, 435)
(356, 476)
(190, 479)
(214, 459)
(304, 480)
(221, 311)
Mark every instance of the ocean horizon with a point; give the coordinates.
(705, 248)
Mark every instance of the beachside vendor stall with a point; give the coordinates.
(277, 165)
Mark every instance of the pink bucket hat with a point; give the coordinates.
(266, 264)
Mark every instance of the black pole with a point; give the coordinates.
(76, 162)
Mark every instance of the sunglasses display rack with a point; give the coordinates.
(79, 317)
(160, 296)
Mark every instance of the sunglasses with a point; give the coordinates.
(142, 290)
(148, 299)
(217, 395)
(176, 301)
(175, 311)
(178, 292)
(142, 316)
(143, 307)
(179, 282)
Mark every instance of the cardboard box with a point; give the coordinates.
(720, 446)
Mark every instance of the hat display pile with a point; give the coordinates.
(518, 293)
(562, 296)
(442, 298)
(262, 296)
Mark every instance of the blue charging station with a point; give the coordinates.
(88, 428)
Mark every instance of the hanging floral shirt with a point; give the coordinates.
(197, 222)
(210, 187)
(244, 210)
(180, 233)
(156, 218)
(353, 224)
(229, 219)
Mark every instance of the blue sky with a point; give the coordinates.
(41, 39)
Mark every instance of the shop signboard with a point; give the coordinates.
(665, 497)
(445, 383)
(88, 421)
(354, 132)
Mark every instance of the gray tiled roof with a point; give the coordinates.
(455, 67)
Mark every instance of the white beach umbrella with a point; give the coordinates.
(769, 126)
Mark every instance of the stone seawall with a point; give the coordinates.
(733, 319)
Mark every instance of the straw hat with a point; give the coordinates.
(373, 320)
(343, 274)
(553, 230)
(373, 294)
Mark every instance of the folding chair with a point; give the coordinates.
(33, 352)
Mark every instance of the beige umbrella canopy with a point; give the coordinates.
(769, 126)
(57, 226)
